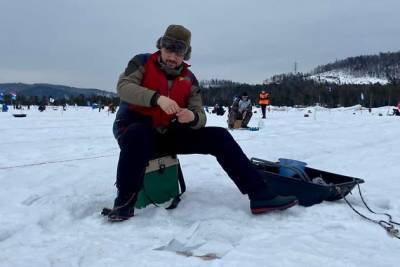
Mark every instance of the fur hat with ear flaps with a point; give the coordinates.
(179, 33)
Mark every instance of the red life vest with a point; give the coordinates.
(155, 79)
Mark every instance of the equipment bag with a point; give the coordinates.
(310, 186)
(163, 181)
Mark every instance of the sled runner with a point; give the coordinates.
(19, 115)
(237, 125)
(247, 129)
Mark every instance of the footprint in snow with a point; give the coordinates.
(31, 199)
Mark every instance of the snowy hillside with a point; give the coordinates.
(341, 77)
(364, 69)
(57, 171)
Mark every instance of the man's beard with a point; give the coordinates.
(170, 71)
(171, 64)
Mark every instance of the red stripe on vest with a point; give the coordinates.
(155, 79)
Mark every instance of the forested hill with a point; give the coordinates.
(47, 90)
(372, 80)
(383, 66)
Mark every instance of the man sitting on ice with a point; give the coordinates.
(161, 112)
(241, 110)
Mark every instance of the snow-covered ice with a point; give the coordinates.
(57, 171)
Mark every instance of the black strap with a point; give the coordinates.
(388, 225)
(181, 180)
(182, 185)
(390, 219)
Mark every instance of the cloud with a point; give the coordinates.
(88, 43)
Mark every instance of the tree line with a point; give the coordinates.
(80, 100)
(288, 90)
(297, 89)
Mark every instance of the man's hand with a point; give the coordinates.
(185, 116)
(168, 105)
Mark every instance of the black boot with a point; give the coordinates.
(263, 201)
(124, 207)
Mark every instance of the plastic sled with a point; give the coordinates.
(19, 115)
(316, 187)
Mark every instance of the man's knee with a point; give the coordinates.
(136, 133)
(218, 136)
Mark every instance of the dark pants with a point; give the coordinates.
(246, 116)
(263, 107)
(139, 143)
(236, 115)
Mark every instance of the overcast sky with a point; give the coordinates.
(87, 43)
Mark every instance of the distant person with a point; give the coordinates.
(28, 105)
(4, 108)
(111, 108)
(214, 110)
(233, 111)
(42, 107)
(245, 109)
(218, 109)
(396, 111)
(241, 109)
(161, 112)
(263, 101)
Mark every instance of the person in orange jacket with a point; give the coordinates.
(263, 101)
